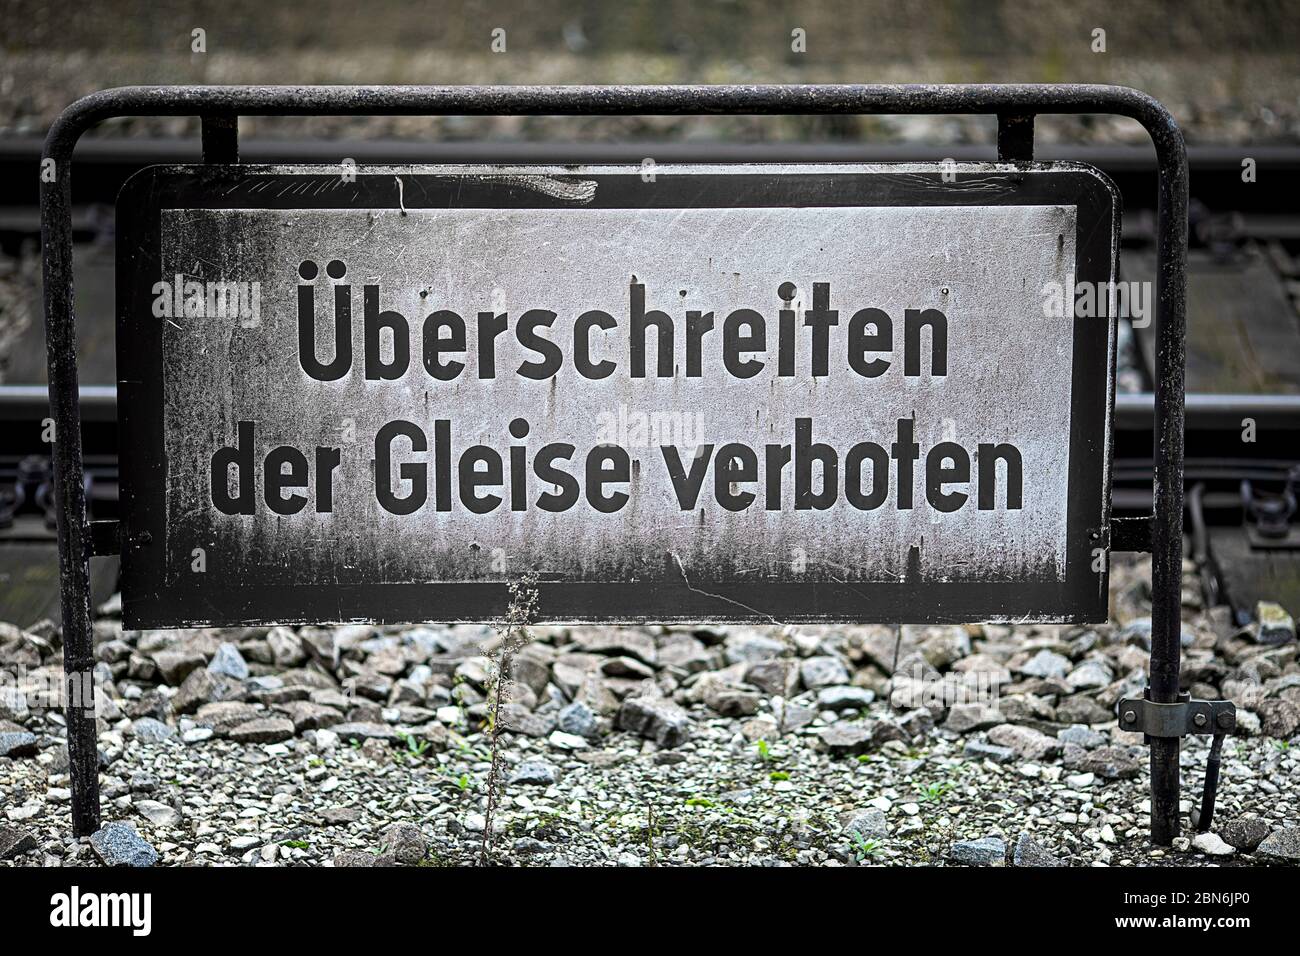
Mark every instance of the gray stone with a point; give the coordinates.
(792, 717)
(204, 687)
(263, 730)
(1090, 675)
(365, 730)
(340, 816)
(1082, 736)
(307, 715)
(851, 738)
(730, 700)
(228, 662)
(1082, 709)
(18, 744)
(521, 720)
(15, 841)
(223, 716)
(1244, 834)
(980, 750)
(405, 842)
(371, 685)
(627, 667)
(917, 723)
(618, 643)
(13, 705)
(1273, 624)
(778, 677)
(869, 824)
(986, 851)
(844, 698)
(578, 719)
(963, 718)
(535, 772)
(159, 814)
(527, 846)
(751, 648)
(174, 664)
(286, 648)
(685, 653)
(117, 844)
(151, 730)
(1278, 718)
(1046, 664)
(819, 672)
(1112, 763)
(1282, 844)
(661, 720)
(1028, 853)
(350, 858)
(1029, 744)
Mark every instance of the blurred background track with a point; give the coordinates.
(1230, 72)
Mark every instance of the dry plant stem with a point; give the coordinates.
(499, 695)
(522, 609)
(650, 831)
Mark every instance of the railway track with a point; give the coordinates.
(1243, 416)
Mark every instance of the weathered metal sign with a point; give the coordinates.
(806, 393)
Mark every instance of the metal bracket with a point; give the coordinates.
(1187, 716)
(1268, 517)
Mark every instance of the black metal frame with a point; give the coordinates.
(219, 107)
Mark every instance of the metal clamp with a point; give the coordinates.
(1139, 715)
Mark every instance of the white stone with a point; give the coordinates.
(1211, 844)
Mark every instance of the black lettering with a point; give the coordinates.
(937, 474)
(567, 497)
(913, 321)
(806, 451)
(697, 324)
(641, 322)
(374, 323)
(879, 476)
(529, 339)
(776, 458)
(490, 326)
(241, 457)
(861, 341)
(905, 451)
(598, 475)
(435, 345)
(734, 343)
(416, 473)
(582, 344)
(735, 464)
(337, 368)
(327, 459)
(988, 456)
(687, 486)
(820, 318)
(276, 481)
(471, 479)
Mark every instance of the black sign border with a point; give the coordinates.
(150, 602)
